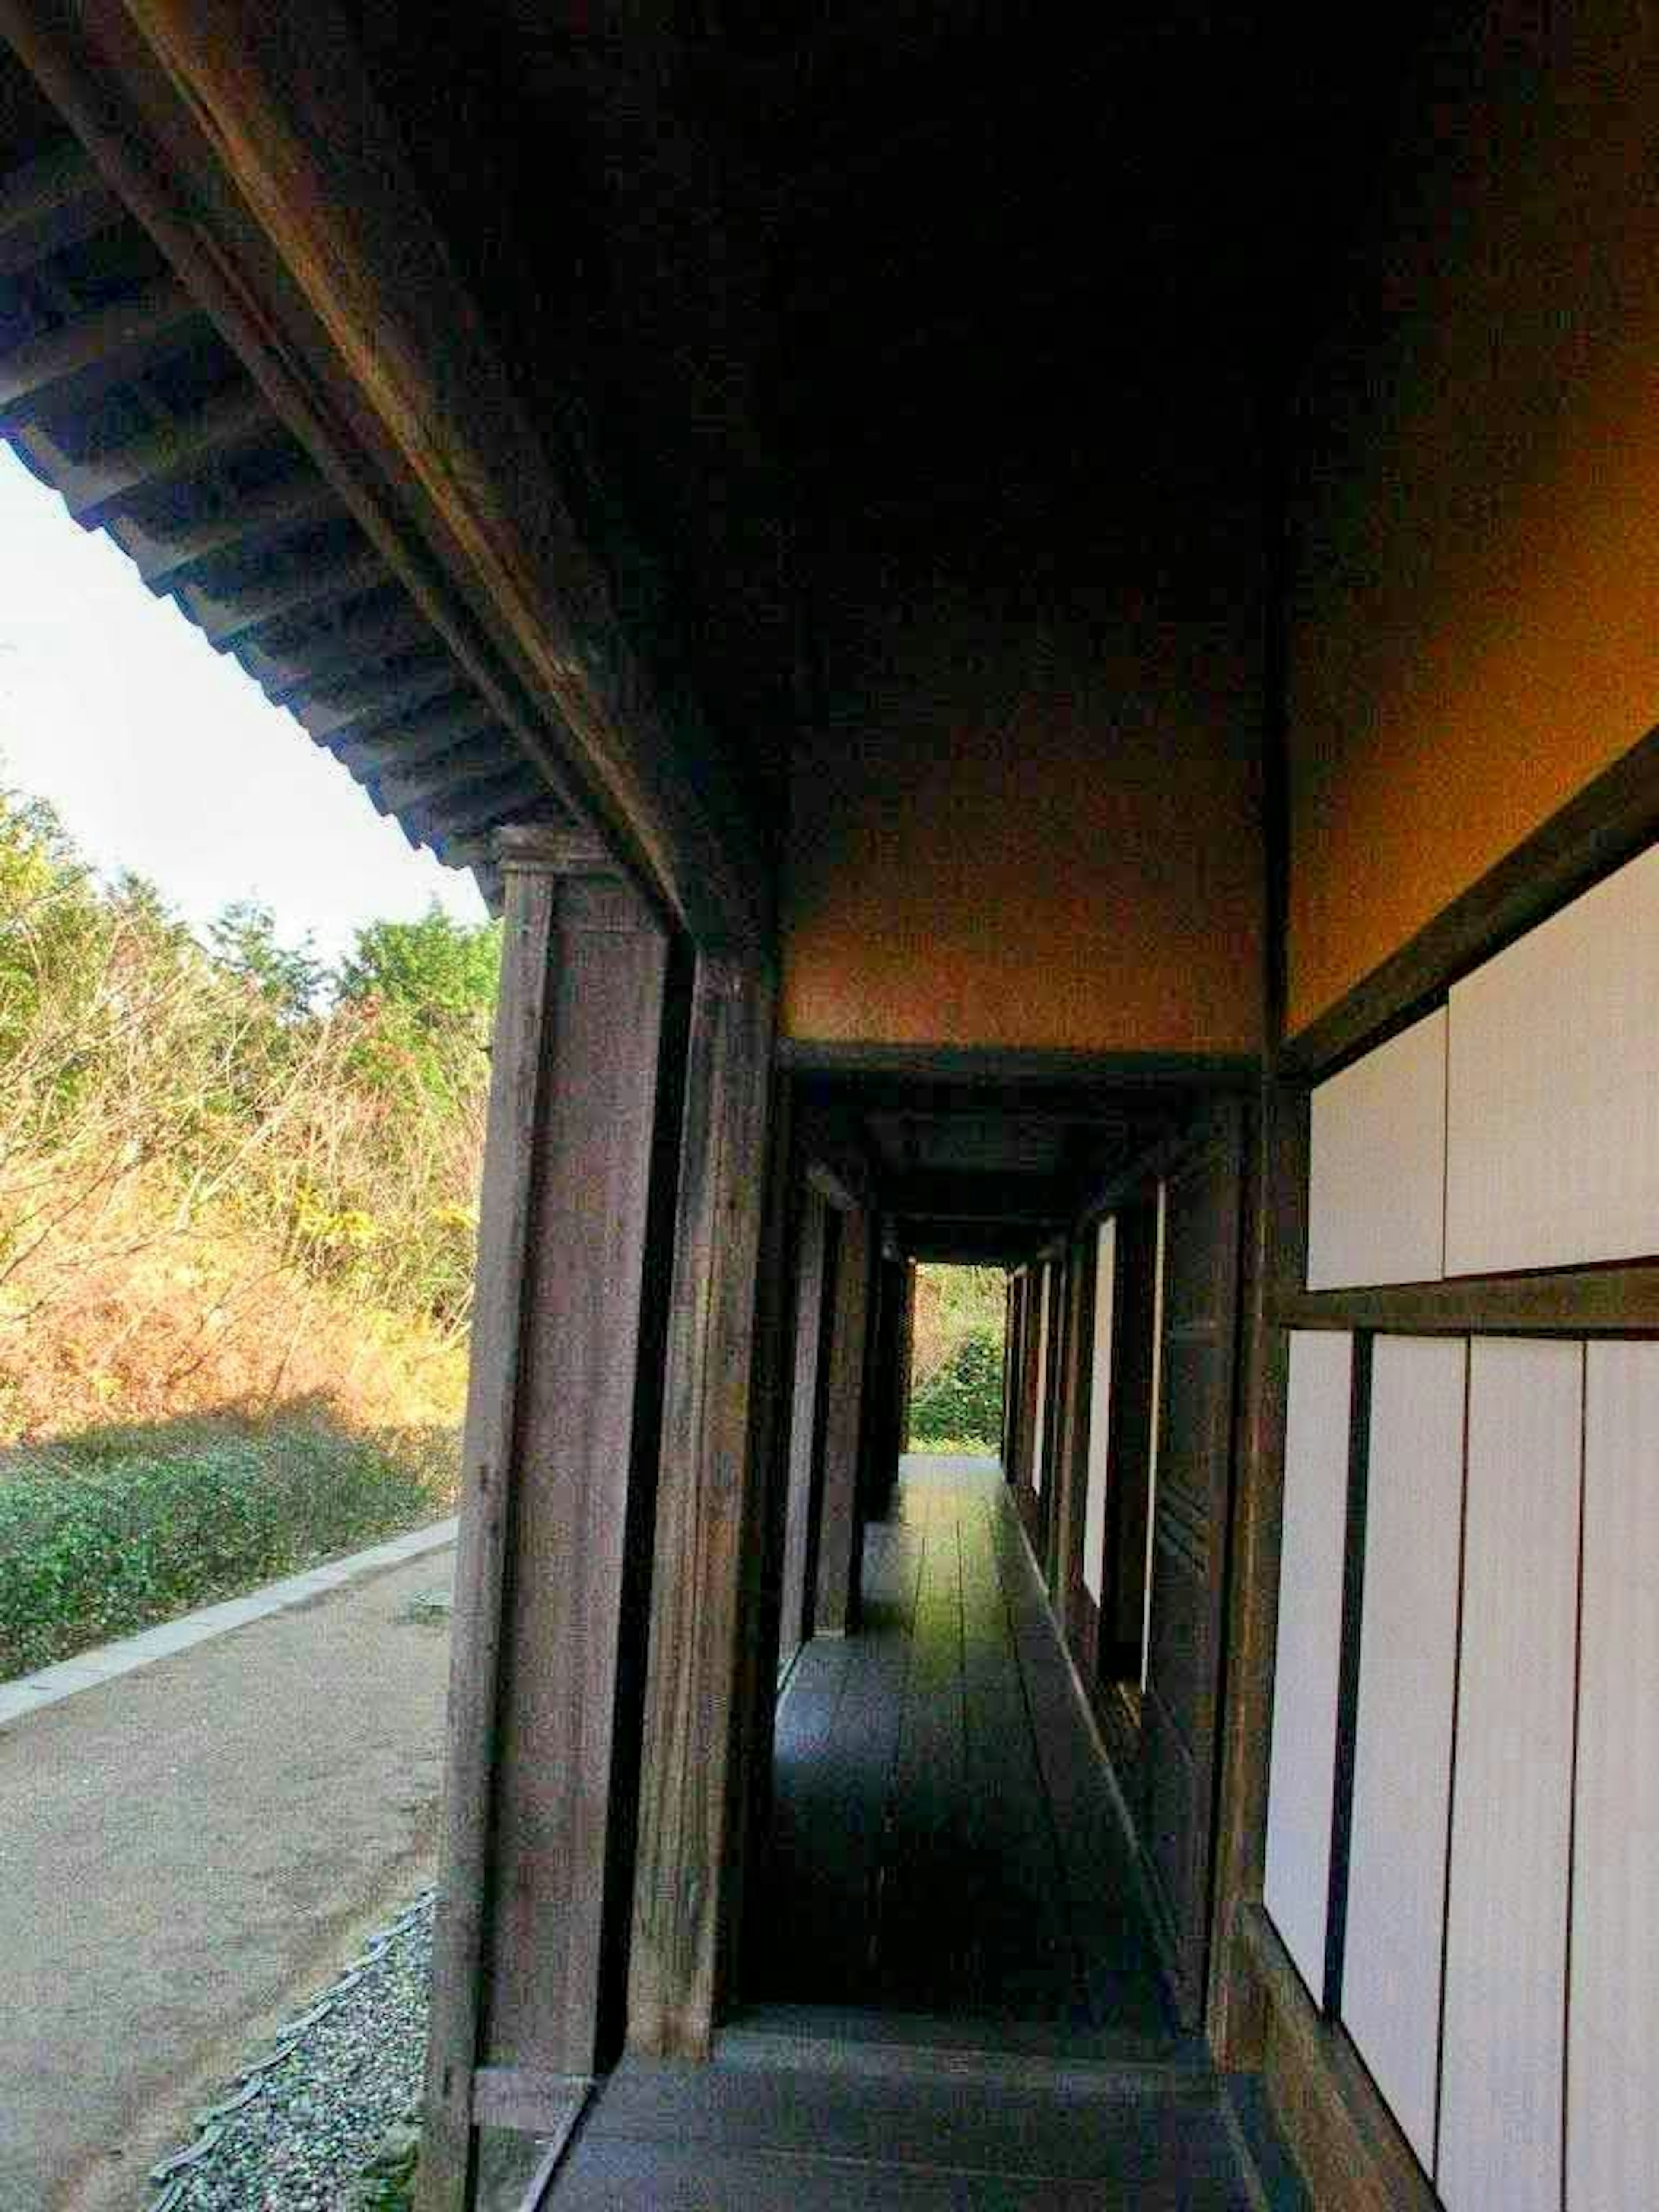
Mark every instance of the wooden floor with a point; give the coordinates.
(955, 2007)
(945, 1840)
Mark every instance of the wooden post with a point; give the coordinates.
(705, 1521)
(839, 1533)
(907, 1359)
(1274, 1262)
(556, 1423)
(805, 1429)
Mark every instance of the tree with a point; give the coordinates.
(424, 993)
(289, 977)
(436, 965)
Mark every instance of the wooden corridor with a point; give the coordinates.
(944, 1839)
(955, 2003)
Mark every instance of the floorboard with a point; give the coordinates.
(946, 1842)
(954, 2002)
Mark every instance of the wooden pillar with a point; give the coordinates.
(907, 1359)
(558, 1432)
(839, 1530)
(705, 1524)
(805, 1424)
(1071, 1480)
(884, 1412)
(1010, 1324)
(1275, 1263)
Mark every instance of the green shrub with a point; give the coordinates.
(107, 1533)
(961, 1402)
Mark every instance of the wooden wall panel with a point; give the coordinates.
(1072, 906)
(1377, 1164)
(1100, 1412)
(1306, 1668)
(1391, 1973)
(1613, 2059)
(1553, 1143)
(1506, 1924)
(1471, 638)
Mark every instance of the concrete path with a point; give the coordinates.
(188, 1850)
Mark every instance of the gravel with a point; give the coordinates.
(303, 2120)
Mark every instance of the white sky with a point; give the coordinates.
(163, 755)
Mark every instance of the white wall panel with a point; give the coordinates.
(1100, 1413)
(1552, 1126)
(1613, 2061)
(1402, 1750)
(1501, 2083)
(1040, 1431)
(1309, 1655)
(1377, 1163)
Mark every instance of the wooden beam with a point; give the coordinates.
(96, 491)
(426, 736)
(704, 1517)
(93, 351)
(51, 203)
(251, 143)
(556, 1420)
(347, 704)
(839, 1535)
(335, 655)
(491, 755)
(222, 617)
(162, 557)
(519, 795)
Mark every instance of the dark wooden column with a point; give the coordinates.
(707, 1521)
(840, 1531)
(805, 1424)
(558, 1431)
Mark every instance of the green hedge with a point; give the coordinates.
(962, 1402)
(110, 1532)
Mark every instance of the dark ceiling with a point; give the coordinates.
(989, 1165)
(822, 306)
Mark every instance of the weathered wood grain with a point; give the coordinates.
(839, 1531)
(488, 1469)
(703, 1519)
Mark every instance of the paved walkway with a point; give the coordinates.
(186, 1851)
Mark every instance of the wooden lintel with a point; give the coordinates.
(1572, 1302)
(250, 142)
